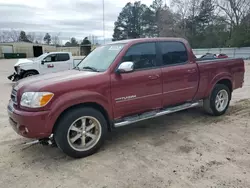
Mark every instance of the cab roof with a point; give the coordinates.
(139, 40)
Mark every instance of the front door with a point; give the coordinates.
(55, 63)
(180, 76)
(140, 90)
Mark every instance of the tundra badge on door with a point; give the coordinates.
(120, 99)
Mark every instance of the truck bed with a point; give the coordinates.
(212, 70)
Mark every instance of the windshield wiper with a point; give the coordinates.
(91, 68)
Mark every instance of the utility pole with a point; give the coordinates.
(103, 17)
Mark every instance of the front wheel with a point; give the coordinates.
(218, 102)
(81, 132)
(29, 73)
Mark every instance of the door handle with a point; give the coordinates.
(191, 70)
(154, 77)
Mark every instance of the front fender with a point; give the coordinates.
(29, 66)
(216, 79)
(73, 98)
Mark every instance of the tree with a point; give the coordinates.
(67, 44)
(240, 36)
(39, 37)
(31, 36)
(152, 18)
(47, 38)
(73, 42)
(205, 23)
(85, 46)
(12, 35)
(169, 24)
(23, 37)
(235, 10)
(199, 26)
(55, 39)
(130, 22)
(187, 10)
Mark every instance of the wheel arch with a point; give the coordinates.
(226, 82)
(223, 79)
(81, 105)
(30, 70)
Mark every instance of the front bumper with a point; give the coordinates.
(29, 124)
(14, 77)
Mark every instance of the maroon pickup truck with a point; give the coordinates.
(118, 84)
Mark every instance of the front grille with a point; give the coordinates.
(13, 96)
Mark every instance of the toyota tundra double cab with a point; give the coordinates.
(119, 84)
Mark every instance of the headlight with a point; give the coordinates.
(36, 99)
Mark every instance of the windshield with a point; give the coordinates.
(101, 58)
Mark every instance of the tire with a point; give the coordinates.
(71, 126)
(210, 104)
(29, 73)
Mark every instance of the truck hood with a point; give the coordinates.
(35, 83)
(23, 61)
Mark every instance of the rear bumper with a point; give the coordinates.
(29, 124)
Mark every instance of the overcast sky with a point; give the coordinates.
(72, 18)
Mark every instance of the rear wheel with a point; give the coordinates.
(217, 103)
(81, 132)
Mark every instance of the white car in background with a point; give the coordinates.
(46, 63)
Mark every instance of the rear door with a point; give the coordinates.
(140, 90)
(55, 63)
(63, 62)
(180, 76)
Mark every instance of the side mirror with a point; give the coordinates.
(125, 67)
(43, 61)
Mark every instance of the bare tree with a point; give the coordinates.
(31, 36)
(169, 24)
(9, 35)
(2, 37)
(181, 6)
(186, 9)
(235, 10)
(55, 39)
(39, 38)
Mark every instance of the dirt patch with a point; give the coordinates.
(186, 149)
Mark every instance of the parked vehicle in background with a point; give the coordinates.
(210, 56)
(221, 56)
(44, 64)
(118, 84)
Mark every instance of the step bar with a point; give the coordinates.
(153, 114)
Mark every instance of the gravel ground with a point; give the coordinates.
(185, 149)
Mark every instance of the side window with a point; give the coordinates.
(62, 57)
(173, 53)
(50, 58)
(143, 55)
